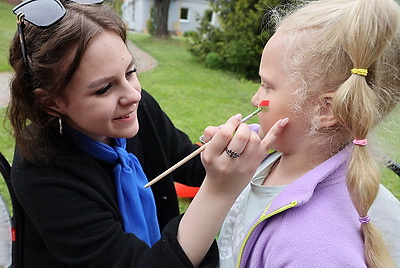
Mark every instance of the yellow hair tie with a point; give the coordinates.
(362, 72)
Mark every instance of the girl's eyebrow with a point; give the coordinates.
(102, 80)
(263, 78)
(267, 82)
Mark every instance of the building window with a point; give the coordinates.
(184, 14)
(210, 16)
(214, 19)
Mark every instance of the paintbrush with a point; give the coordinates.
(262, 105)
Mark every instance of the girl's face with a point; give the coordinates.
(102, 97)
(278, 89)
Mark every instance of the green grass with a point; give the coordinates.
(6, 148)
(7, 30)
(389, 142)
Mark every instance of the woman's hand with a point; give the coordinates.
(229, 174)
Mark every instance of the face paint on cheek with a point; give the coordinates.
(264, 104)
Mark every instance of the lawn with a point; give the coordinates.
(7, 29)
(193, 96)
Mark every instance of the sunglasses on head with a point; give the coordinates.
(41, 13)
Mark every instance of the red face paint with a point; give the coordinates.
(263, 104)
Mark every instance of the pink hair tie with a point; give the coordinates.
(365, 219)
(360, 142)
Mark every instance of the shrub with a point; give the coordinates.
(239, 39)
(150, 23)
(190, 34)
(214, 60)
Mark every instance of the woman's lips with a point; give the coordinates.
(126, 116)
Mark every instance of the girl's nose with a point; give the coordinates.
(255, 100)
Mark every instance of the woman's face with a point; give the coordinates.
(102, 97)
(279, 90)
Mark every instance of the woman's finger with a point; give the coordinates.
(225, 132)
(273, 133)
(239, 141)
(208, 133)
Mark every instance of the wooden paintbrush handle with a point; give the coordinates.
(180, 163)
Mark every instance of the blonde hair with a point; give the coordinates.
(325, 41)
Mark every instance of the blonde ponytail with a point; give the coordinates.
(364, 34)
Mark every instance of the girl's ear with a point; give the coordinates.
(325, 117)
(52, 107)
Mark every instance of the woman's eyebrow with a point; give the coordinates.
(132, 63)
(102, 80)
(99, 81)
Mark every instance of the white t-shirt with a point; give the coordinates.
(250, 203)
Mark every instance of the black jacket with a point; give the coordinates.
(158, 146)
(69, 208)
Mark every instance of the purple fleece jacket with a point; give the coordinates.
(321, 229)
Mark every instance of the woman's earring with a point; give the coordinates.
(60, 125)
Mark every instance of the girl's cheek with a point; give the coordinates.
(265, 125)
(263, 130)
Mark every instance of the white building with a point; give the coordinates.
(183, 15)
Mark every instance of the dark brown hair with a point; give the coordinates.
(54, 54)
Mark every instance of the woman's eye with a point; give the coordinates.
(103, 90)
(130, 73)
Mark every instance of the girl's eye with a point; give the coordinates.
(265, 85)
(130, 73)
(103, 90)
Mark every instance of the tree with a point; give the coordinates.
(236, 45)
(161, 8)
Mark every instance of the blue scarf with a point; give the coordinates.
(136, 203)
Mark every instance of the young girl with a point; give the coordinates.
(332, 68)
(74, 103)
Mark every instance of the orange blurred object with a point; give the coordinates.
(185, 191)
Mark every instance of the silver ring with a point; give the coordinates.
(201, 138)
(232, 154)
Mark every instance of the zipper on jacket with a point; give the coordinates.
(262, 218)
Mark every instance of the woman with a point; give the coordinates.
(75, 96)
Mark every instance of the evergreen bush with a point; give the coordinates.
(238, 40)
(214, 60)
